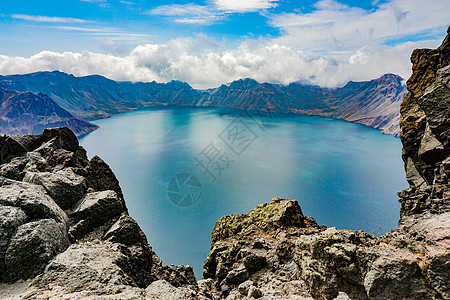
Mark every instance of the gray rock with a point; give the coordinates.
(64, 186)
(10, 219)
(163, 290)
(177, 275)
(244, 287)
(254, 292)
(29, 142)
(14, 169)
(32, 247)
(431, 149)
(396, 275)
(206, 287)
(31, 199)
(86, 266)
(94, 210)
(125, 231)
(63, 136)
(100, 176)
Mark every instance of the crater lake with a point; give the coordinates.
(181, 169)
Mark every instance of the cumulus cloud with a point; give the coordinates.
(45, 19)
(329, 46)
(335, 26)
(204, 63)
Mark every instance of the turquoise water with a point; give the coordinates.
(344, 175)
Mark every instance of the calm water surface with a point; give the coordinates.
(343, 174)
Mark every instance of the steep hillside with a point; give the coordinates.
(28, 113)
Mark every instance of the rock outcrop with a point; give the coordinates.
(64, 226)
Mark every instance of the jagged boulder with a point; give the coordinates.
(98, 266)
(32, 246)
(10, 148)
(94, 210)
(64, 186)
(258, 246)
(100, 177)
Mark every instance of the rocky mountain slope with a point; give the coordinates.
(28, 113)
(374, 103)
(65, 231)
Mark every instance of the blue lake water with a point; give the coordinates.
(344, 175)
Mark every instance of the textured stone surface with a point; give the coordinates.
(425, 131)
(259, 246)
(94, 210)
(64, 186)
(32, 247)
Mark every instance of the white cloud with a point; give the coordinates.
(188, 13)
(334, 26)
(204, 63)
(215, 11)
(45, 19)
(329, 46)
(244, 6)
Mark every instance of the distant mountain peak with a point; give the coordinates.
(243, 83)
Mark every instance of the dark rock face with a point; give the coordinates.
(425, 132)
(64, 224)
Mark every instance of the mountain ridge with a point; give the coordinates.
(375, 103)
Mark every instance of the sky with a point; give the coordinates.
(212, 42)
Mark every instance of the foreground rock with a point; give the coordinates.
(65, 230)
